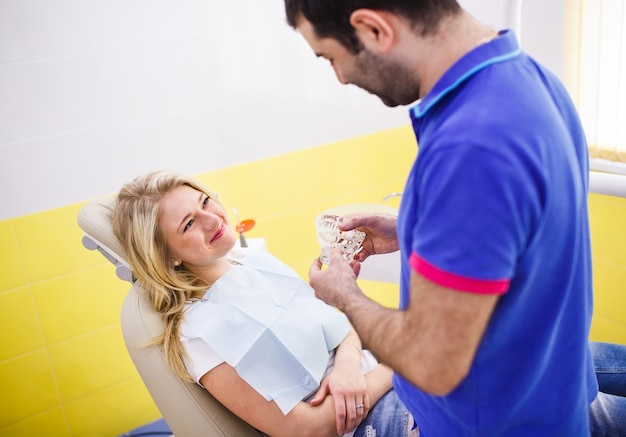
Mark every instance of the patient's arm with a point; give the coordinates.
(347, 385)
(304, 420)
(234, 393)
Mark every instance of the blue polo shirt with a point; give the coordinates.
(496, 203)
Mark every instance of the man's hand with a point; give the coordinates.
(335, 283)
(380, 229)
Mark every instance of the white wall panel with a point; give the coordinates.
(52, 96)
(34, 29)
(94, 92)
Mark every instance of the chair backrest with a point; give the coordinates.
(188, 409)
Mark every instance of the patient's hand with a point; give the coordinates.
(349, 390)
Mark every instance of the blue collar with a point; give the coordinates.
(500, 49)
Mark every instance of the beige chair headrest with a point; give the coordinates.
(95, 220)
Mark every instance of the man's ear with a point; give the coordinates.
(373, 28)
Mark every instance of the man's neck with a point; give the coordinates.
(456, 37)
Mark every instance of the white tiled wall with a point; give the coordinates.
(94, 92)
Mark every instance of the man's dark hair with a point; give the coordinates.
(331, 18)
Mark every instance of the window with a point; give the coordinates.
(595, 74)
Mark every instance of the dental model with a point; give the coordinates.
(329, 237)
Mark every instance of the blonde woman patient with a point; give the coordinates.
(243, 325)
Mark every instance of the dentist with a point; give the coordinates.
(491, 337)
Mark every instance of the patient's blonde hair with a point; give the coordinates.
(135, 221)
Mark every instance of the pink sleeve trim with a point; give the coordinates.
(450, 280)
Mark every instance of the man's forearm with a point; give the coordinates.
(378, 327)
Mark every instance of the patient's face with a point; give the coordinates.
(196, 228)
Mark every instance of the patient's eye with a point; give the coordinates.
(206, 201)
(188, 225)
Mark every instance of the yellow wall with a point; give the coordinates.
(608, 238)
(64, 370)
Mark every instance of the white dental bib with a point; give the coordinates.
(265, 321)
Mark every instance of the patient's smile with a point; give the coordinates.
(219, 233)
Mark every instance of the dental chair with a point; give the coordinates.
(188, 409)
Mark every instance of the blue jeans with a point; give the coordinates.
(607, 413)
(388, 418)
